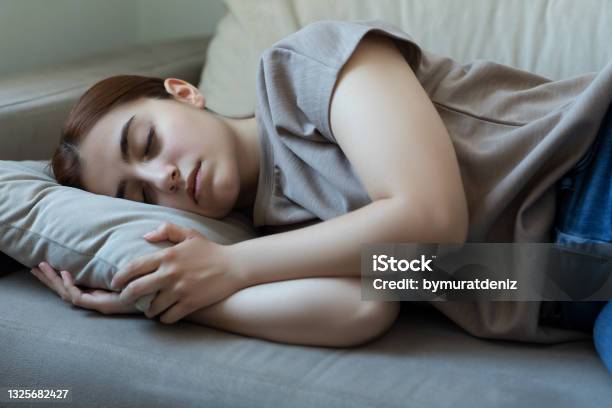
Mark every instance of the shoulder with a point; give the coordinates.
(328, 41)
(377, 66)
(374, 49)
(332, 42)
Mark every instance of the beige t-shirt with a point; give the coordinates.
(515, 134)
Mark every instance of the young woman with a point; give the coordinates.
(352, 129)
(169, 137)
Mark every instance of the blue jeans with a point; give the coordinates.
(584, 215)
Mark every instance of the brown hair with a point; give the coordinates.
(95, 103)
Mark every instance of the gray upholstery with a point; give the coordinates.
(128, 361)
(423, 361)
(33, 106)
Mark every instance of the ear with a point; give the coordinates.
(185, 92)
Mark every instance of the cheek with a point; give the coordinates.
(189, 138)
(184, 139)
(175, 148)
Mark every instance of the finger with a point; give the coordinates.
(162, 301)
(141, 266)
(174, 314)
(56, 281)
(169, 232)
(36, 271)
(102, 301)
(145, 285)
(105, 302)
(41, 277)
(53, 281)
(74, 292)
(94, 302)
(155, 236)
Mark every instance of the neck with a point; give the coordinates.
(248, 154)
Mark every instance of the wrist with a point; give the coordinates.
(237, 266)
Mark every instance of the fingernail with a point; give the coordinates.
(148, 235)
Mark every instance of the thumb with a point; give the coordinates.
(170, 232)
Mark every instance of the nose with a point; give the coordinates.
(164, 176)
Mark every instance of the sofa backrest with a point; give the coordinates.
(34, 105)
(553, 38)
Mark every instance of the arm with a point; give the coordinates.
(391, 133)
(316, 311)
(395, 140)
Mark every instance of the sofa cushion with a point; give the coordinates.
(424, 360)
(89, 235)
(524, 34)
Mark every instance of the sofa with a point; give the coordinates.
(424, 360)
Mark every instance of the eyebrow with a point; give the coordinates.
(125, 154)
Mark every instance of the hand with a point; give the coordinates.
(188, 276)
(100, 300)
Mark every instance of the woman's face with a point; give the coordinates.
(184, 140)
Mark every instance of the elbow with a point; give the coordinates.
(450, 216)
(372, 319)
(438, 223)
(452, 225)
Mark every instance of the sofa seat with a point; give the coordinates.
(425, 360)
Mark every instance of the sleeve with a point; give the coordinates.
(297, 74)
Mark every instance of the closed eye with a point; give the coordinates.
(149, 141)
(145, 198)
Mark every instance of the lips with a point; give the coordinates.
(191, 182)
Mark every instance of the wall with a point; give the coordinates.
(37, 33)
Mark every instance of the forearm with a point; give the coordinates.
(333, 247)
(315, 311)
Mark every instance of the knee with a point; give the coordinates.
(371, 320)
(602, 335)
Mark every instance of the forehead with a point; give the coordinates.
(102, 166)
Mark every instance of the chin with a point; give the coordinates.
(224, 197)
(216, 213)
(227, 195)
(221, 207)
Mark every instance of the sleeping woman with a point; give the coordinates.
(359, 136)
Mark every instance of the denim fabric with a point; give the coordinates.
(584, 215)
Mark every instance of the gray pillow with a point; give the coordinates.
(91, 236)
